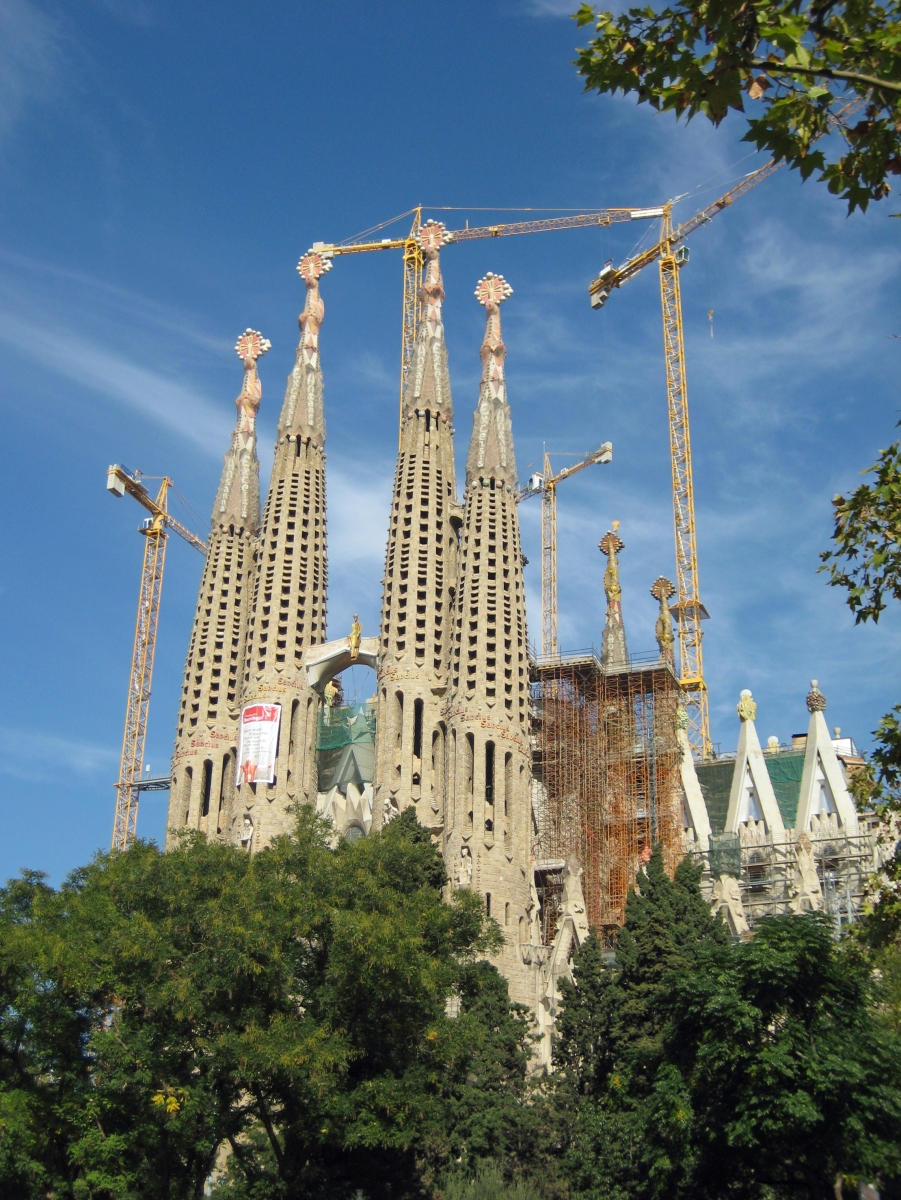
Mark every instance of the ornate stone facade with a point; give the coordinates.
(203, 765)
(288, 608)
(488, 835)
(420, 576)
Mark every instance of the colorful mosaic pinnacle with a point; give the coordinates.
(252, 344)
(313, 266)
(432, 236)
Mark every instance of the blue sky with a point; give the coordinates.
(163, 166)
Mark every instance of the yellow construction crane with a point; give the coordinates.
(545, 485)
(689, 610)
(414, 260)
(118, 482)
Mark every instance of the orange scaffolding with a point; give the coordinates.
(606, 778)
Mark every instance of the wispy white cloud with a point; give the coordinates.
(172, 404)
(40, 757)
(31, 52)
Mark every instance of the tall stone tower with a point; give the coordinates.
(289, 595)
(420, 576)
(487, 846)
(203, 765)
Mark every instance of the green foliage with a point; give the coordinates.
(793, 1079)
(865, 560)
(694, 1068)
(488, 1183)
(290, 1005)
(798, 63)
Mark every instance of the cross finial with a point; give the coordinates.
(432, 236)
(662, 588)
(312, 267)
(611, 542)
(492, 290)
(252, 344)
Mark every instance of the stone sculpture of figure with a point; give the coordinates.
(331, 693)
(727, 898)
(356, 632)
(746, 708)
(661, 589)
(247, 832)
(389, 812)
(464, 868)
(807, 894)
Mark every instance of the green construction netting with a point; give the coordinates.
(785, 772)
(725, 854)
(715, 779)
(345, 726)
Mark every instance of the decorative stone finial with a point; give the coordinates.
(432, 236)
(661, 589)
(252, 344)
(816, 701)
(772, 743)
(250, 347)
(681, 718)
(614, 654)
(313, 266)
(746, 708)
(492, 290)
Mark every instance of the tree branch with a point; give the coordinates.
(270, 1131)
(772, 68)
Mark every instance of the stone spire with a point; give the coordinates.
(488, 839)
(420, 575)
(614, 655)
(203, 765)
(289, 594)
(238, 498)
(491, 449)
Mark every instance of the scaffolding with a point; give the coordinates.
(606, 778)
(766, 871)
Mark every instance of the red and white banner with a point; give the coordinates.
(258, 743)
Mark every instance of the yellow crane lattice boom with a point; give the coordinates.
(119, 481)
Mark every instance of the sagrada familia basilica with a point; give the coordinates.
(544, 781)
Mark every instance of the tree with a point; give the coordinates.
(612, 1075)
(793, 1080)
(290, 1006)
(794, 65)
(865, 560)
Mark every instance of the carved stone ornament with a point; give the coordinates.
(252, 344)
(816, 701)
(313, 266)
(432, 236)
(661, 589)
(356, 632)
(746, 708)
(492, 290)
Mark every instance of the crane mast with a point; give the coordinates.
(688, 605)
(120, 481)
(546, 485)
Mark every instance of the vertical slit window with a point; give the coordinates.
(207, 786)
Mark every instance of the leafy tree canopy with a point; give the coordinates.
(865, 560)
(288, 1012)
(794, 65)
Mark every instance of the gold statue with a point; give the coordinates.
(331, 693)
(662, 589)
(356, 632)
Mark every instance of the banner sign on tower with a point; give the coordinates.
(258, 743)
